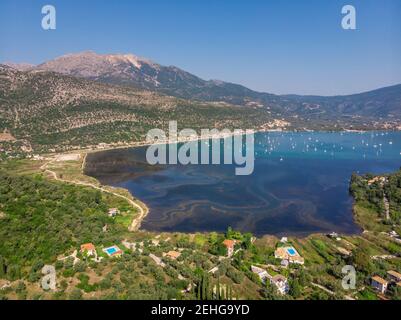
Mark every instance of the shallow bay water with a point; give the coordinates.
(299, 185)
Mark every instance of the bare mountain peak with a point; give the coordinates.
(130, 70)
(112, 58)
(128, 58)
(87, 53)
(116, 68)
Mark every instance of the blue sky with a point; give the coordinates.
(278, 46)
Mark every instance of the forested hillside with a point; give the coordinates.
(41, 219)
(378, 199)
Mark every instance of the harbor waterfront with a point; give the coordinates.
(300, 184)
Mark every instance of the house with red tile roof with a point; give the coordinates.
(229, 244)
(88, 249)
(173, 254)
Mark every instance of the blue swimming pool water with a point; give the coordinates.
(291, 251)
(111, 250)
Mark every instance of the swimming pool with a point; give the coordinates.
(111, 250)
(291, 251)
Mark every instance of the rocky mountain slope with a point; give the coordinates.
(50, 110)
(378, 106)
(86, 99)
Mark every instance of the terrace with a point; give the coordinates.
(290, 254)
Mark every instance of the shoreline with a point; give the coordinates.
(136, 223)
(142, 208)
(109, 147)
(133, 201)
(301, 235)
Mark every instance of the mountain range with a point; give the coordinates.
(80, 87)
(47, 110)
(130, 70)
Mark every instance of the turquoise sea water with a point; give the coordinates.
(299, 185)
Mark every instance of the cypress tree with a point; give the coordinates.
(218, 297)
(198, 290)
(203, 288)
(2, 267)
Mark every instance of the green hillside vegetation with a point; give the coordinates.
(46, 111)
(368, 108)
(370, 208)
(50, 111)
(42, 220)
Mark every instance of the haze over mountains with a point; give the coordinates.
(128, 69)
(86, 98)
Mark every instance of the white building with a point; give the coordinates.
(113, 212)
(263, 275)
(279, 281)
(379, 284)
(281, 284)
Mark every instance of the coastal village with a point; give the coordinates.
(285, 254)
(275, 274)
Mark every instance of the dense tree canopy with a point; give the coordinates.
(42, 219)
